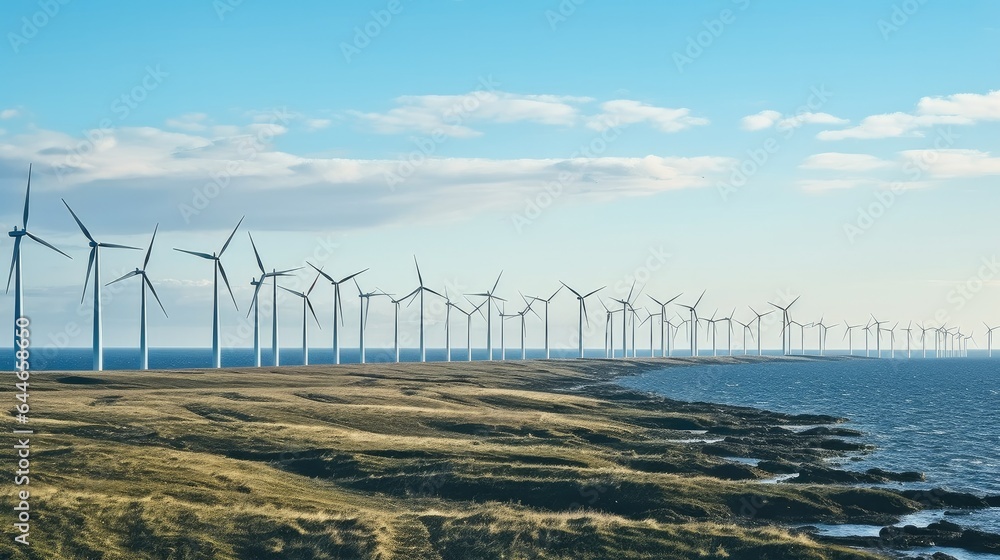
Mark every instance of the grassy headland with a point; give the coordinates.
(442, 461)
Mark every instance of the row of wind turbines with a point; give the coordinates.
(947, 341)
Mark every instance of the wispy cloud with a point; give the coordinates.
(192, 122)
(9, 113)
(770, 118)
(625, 111)
(954, 163)
(845, 162)
(957, 109)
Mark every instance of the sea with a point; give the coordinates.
(937, 416)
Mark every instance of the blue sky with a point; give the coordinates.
(590, 142)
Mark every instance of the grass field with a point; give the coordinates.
(408, 461)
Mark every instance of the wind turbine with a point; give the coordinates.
(822, 334)
(503, 344)
(468, 326)
(363, 316)
(649, 318)
(609, 331)
(524, 329)
(395, 324)
(850, 337)
(664, 322)
(711, 323)
(909, 327)
(421, 289)
(264, 275)
(802, 335)
(305, 323)
(95, 264)
(338, 306)
(546, 302)
(15, 267)
(490, 296)
(786, 330)
(626, 305)
(583, 309)
(141, 272)
(758, 318)
(729, 333)
(878, 334)
(693, 325)
(892, 341)
(215, 258)
(989, 339)
(746, 327)
(923, 339)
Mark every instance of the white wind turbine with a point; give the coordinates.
(15, 266)
(757, 318)
(892, 341)
(850, 337)
(257, 284)
(503, 343)
(546, 302)
(923, 339)
(94, 263)
(490, 296)
(649, 317)
(609, 331)
(524, 328)
(711, 324)
(664, 323)
(746, 327)
(306, 304)
(338, 308)
(583, 309)
(366, 303)
(878, 334)
(786, 328)
(729, 334)
(693, 323)
(420, 290)
(468, 326)
(909, 327)
(217, 263)
(395, 327)
(141, 272)
(989, 339)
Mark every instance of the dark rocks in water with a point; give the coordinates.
(907, 476)
(939, 498)
(809, 474)
(778, 467)
(826, 431)
(750, 431)
(670, 423)
(942, 556)
(841, 445)
(992, 501)
(941, 533)
(733, 472)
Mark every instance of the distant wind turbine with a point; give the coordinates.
(693, 323)
(395, 324)
(338, 308)
(420, 290)
(626, 306)
(850, 337)
(217, 263)
(490, 295)
(141, 272)
(786, 330)
(757, 318)
(95, 264)
(746, 327)
(264, 275)
(546, 302)
(15, 266)
(366, 303)
(306, 303)
(583, 309)
(664, 323)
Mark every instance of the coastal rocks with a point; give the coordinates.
(939, 498)
(828, 431)
(941, 533)
(907, 476)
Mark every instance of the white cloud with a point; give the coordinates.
(192, 122)
(760, 121)
(823, 185)
(845, 162)
(9, 114)
(317, 124)
(953, 163)
(451, 115)
(768, 118)
(957, 109)
(625, 111)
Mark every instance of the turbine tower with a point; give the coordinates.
(421, 289)
(490, 296)
(217, 264)
(363, 318)
(746, 327)
(338, 308)
(664, 323)
(693, 324)
(757, 318)
(546, 302)
(878, 334)
(94, 263)
(626, 305)
(305, 323)
(264, 275)
(395, 328)
(15, 267)
(909, 327)
(141, 272)
(850, 337)
(786, 330)
(989, 339)
(583, 309)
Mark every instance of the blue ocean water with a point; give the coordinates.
(937, 416)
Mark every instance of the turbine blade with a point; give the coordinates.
(83, 228)
(309, 303)
(260, 264)
(300, 294)
(320, 270)
(595, 291)
(128, 275)
(153, 291)
(576, 293)
(230, 239)
(13, 260)
(116, 246)
(149, 250)
(497, 283)
(90, 264)
(256, 291)
(435, 293)
(309, 291)
(420, 278)
(655, 300)
(46, 243)
(699, 298)
(27, 193)
(202, 255)
(554, 294)
(346, 278)
(222, 271)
